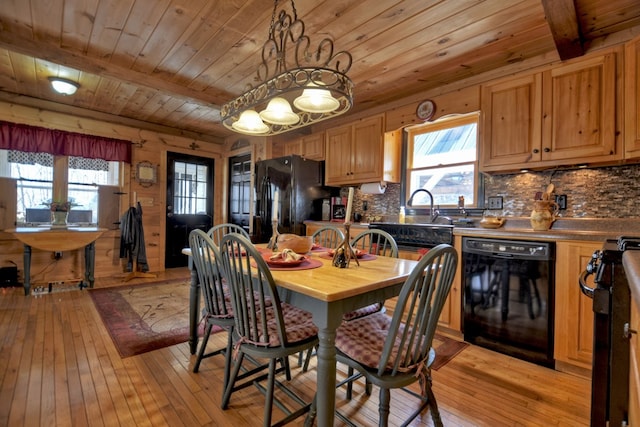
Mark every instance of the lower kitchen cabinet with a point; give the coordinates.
(573, 335)
(450, 321)
(451, 317)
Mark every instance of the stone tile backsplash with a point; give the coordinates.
(608, 192)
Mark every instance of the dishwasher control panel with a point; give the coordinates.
(509, 248)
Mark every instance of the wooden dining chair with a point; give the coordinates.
(373, 241)
(395, 352)
(218, 231)
(218, 310)
(380, 243)
(328, 236)
(377, 242)
(262, 331)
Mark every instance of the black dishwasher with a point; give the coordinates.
(508, 297)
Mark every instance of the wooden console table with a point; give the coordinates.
(58, 240)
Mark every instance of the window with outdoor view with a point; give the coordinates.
(190, 188)
(34, 173)
(442, 159)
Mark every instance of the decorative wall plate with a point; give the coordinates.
(426, 110)
(146, 173)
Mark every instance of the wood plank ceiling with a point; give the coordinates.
(169, 65)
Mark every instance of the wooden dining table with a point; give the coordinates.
(59, 239)
(329, 292)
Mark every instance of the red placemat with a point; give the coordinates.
(307, 264)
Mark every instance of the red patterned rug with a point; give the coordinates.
(145, 317)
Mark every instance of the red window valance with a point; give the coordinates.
(15, 136)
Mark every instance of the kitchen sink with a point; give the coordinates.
(416, 235)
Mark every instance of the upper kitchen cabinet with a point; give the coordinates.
(512, 122)
(579, 111)
(310, 147)
(632, 100)
(562, 116)
(359, 152)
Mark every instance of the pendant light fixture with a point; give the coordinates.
(279, 112)
(314, 81)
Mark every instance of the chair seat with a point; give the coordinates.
(363, 340)
(364, 311)
(298, 325)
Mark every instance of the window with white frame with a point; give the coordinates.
(34, 173)
(442, 159)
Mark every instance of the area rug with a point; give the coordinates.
(145, 317)
(446, 350)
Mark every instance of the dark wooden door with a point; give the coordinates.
(189, 203)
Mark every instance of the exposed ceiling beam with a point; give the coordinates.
(563, 22)
(49, 52)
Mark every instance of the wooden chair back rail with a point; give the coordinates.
(377, 242)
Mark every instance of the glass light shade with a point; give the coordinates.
(279, 112)
(63, 86)
(316, 100)
(250, 122)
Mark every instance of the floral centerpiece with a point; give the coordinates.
(59, 212)
(59, 206)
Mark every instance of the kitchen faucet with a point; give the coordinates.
(433, 212)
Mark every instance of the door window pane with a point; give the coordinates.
(190, 189)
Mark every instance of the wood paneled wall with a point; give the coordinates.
(147, 146)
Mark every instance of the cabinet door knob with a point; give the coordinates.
(547, 149)
(536, 151)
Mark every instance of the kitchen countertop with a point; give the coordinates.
(631, 263)
(562, 229)
(358, 225)
(587, 229)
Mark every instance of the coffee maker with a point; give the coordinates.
(338, 209)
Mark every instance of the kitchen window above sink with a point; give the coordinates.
(442, 158)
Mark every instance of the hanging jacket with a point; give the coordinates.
(132, 244)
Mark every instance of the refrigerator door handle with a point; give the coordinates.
(267, 205)
(265, 193)
(261, 198)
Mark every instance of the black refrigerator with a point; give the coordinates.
(300, 185)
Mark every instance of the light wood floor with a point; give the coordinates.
(59, 367)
